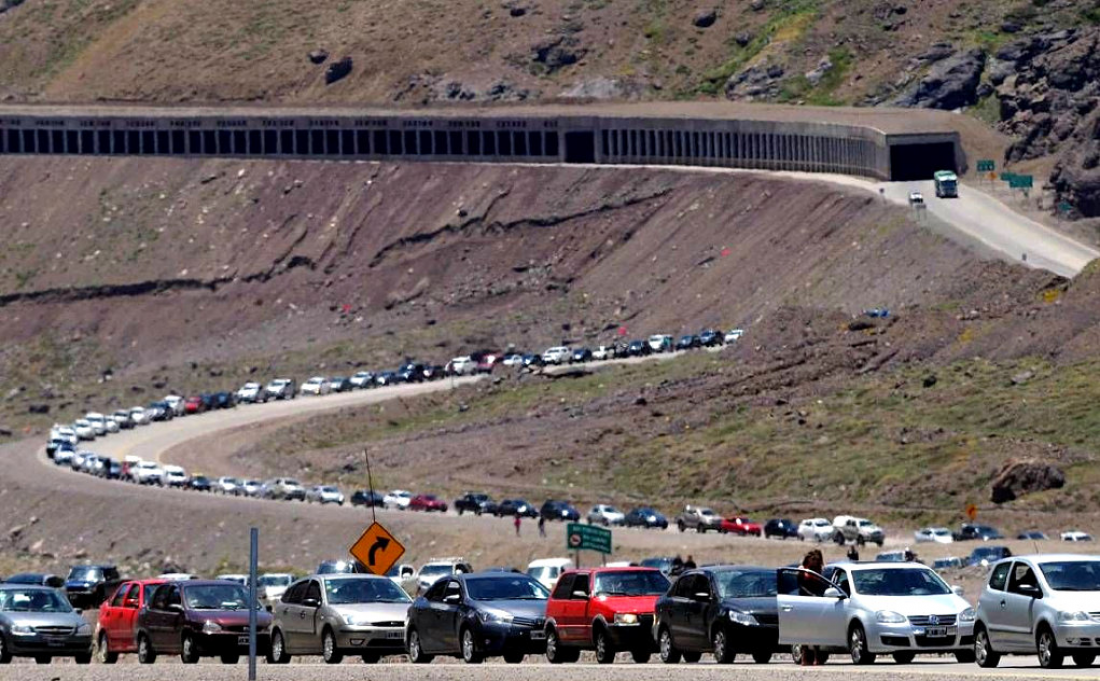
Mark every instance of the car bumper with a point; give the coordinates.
(230, 642)
(889, 638)
(496, 639)
(50, 645)
(1078, 637)
(633, 636)
(751, 639)
(389, 640)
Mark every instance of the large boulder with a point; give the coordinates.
(338, 70)
(1021, 477)
(951, 83)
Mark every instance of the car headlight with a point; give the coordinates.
(22, 630)
(889, 617)
(498, 616)
(84, 630)
(356, 620)
(1073, 617)
(651, 518)
(211, 627)
(968, 615)
(743, 619)
(626, 618)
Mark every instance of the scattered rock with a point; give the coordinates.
(517, 11)
(758, 5)
(640, 401)
(594, 88)
(6, 432)
(755, 82)
(1022, 477)
(823, 67)
(338, 70)
(742, 39)
(38, 409)
(705, 18)
(556, 53)
(1022, 377)
(929, 380)
(318, 56)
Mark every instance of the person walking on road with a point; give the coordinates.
(689, 564)
(517, 522)
(677, 568)
(542, 527)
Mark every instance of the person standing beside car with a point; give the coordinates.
(809, 585)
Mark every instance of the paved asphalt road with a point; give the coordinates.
(932, 669)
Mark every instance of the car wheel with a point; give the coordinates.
(1050, 657)
(146, 654)
(103, 650)
(513, 657)
(857, 646)
(329, 651)
(723, 651)
(231, 658)
(470, 654)
(692, 657)
(189, 654)
(605, 652)
(276, 653)
(555, 653)
(667, 651)
(43, 659)
(904, 657)
(416, 653)
(984, 654)
(1084, 659)
(371, 658)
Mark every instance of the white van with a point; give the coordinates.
(547, 570)
(97, 421)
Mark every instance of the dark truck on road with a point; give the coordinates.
(476, 503)
(89, 585)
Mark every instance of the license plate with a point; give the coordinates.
(936, 632)
(242, 640)
(55, 642)
(538, 635)
(395, 634)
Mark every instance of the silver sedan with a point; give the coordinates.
(38, 622)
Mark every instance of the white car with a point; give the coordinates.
(362, 379)
(233, 577)
(938, 535)
(271, 586)
(733, 335)
(113, 425)
(148, 473)
(1076, 535)
(175, 403)
(605, 514)
(436, 568)
(916, 198)
(175, 476)
(547, 570)
(63, 457)
(325, 494)
(65, 433)
(98, 422)
(604, 352)
(464, 365)
(661, 342)
(816, 529)
(398, 499)
(88, 462)
(178, 577)
(226, 485)
(250, 392)
(871, 609)
(560, 354)
(83, 430)
(513, 360)
(317, 385)
(139, 416)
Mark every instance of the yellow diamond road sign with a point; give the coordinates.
(377, 549)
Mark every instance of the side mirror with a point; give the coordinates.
(450, 598)
(958, 591)
(580, 594)
(833, 592)
(79, 611)
(311, 602)
(701, 596)
(175, 607)
(1030, 590)
(130, 603)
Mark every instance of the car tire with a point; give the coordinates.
(370, 658)
(1084, 659)
(329, 652)
(416, 652)
(513, 657)
(555, 652)
(665, 648)
(605, 651)
(1050, 656)
(720, 643)
(43, 659)
(468, 645)
(189, 654)
(276, 652)
(904, 657)
(231, 658)
(692, 657)
(145, 652)
(103, 652)
(857, 646)
(984, 654)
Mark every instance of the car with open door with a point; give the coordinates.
(872, 609)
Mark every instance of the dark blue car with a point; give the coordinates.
(479, 615)
(647, 517)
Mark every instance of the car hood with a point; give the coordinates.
(44, 619)
(765, 605)
(379, 612)
(914, 605)
(1072, 601)
(535, 610)
(635, 604)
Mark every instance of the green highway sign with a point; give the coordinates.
(1008, 177)
(580, 537)
(986, 166)
(1022, 182)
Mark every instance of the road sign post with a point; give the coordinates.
(377, 549)
(253, 564)
(579, 537)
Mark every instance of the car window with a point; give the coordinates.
(745, 583)
(564, 588)
(684, 586)
(313, 590)
(158, 602)
(347, 591)
(452, 589)
(631, 583)
(510, 588)
(172, 596)
(294, 593)
(120, 595)
(435, 593)
(1021, 575)
(999, 577)
(33, 600)
(1075, 575)
(580, 583)
(840, 577)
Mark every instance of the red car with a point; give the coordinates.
(194, 405)
(603, 609)
(741, 526)
(118, 619)
(427, 502)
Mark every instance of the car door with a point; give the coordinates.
(1020, 607)
(169, 640)
(448, 615)
(300, 618)
(424, 617)
(693, 625)
(286, 611)
(110, 614)
(578, 620)
(560, 607)
(994, 606)
(126, 618)
(676, 618)
(805, 615)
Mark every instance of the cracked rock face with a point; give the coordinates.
(952, 83)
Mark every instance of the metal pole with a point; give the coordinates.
(254, 550)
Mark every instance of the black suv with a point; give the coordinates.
(513, 507)
(710, 338)
(559, 510)
(89, 585)
(475, 503)
(365, 497)
(688, 342)
(780, 527)
(638, 348)
(977, 532)
(721, 610)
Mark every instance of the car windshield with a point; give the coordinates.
(898, 582)
(746, 584)
(518, 588)
(821, 523)
(348, 591)
(1072, 575)
(435, 570)
(33, 600)
(85, 574)
(631, 583)
(216, 597)
(274, 580)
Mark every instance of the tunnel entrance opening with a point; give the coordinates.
(580, 147)
(912, 162)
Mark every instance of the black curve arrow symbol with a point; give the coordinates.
(380, 544)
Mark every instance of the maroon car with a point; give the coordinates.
(427, 502)
(199, 619)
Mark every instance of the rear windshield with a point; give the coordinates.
(631, 583)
